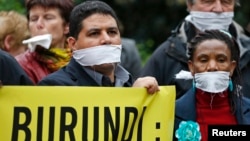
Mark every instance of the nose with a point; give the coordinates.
(212, 66)
(218, 7)
(105, 38)
(39, 23)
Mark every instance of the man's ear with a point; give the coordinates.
(189, 5)
(191, 67)
(8, 42)
(72, 43)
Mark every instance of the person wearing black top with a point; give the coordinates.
(11, 72)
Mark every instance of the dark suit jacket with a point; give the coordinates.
(72, 74)
(11, 73)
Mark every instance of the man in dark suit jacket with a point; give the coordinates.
(96, 44)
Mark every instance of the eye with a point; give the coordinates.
(94, 34)
(33, 18)
(113, 32)
(221, 59)
(203, 59)
(49, 17)
(227, 2)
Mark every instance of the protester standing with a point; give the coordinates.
(96, 44)
(170, 58)
(46, 17)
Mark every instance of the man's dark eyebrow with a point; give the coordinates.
(113, 28)
(93, 30)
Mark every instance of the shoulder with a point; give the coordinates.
(11, 73)
(244, 111)
(28, 61)
(186, 97)
(241, 32)
(32, 66)
(128, 41)
(59, 77)
(24, 57)
(128, 45)
(246, 101)
(8, 62)
(6, 58)
(175, 41)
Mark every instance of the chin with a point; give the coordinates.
(107, 67)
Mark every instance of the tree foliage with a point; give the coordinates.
(8, 5)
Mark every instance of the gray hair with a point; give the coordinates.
(237, 2)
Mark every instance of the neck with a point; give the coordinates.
(59, 44)
(111, 77)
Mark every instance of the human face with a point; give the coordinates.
(217, 6)
(48, 21)
(211, 55)
(97, 29)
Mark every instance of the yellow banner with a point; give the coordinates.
(59, 113)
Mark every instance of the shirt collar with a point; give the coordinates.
(122, 75)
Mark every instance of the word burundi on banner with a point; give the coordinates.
(86, 113)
